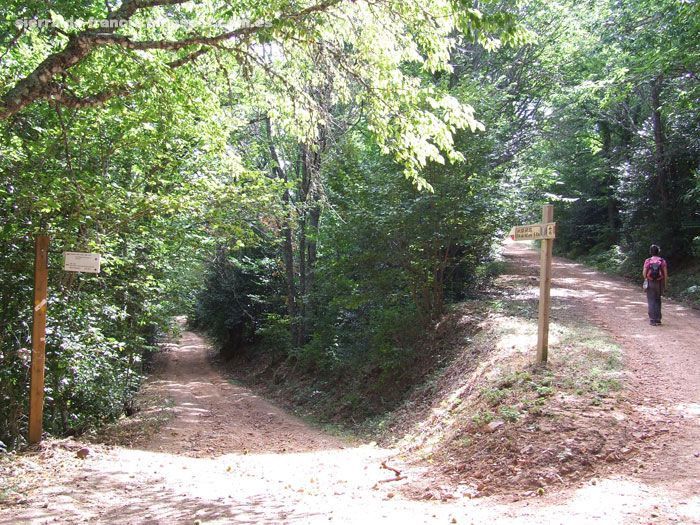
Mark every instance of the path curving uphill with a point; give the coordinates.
(213, 417)
(662, 362)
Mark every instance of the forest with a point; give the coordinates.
(315, 182)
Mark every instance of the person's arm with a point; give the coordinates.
(664, 271)
(644, 270)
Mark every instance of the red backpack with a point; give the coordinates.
(654, 272)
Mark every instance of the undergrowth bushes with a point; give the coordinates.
(684, 280)
(98, 336)
(389, 260)
(240, 296)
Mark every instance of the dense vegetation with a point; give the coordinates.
(314, 182)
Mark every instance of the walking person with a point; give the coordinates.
(655, 273)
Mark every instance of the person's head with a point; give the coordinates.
(654, 250)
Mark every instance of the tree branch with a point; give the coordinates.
(61, 95)
(39, 84)
(12, 43)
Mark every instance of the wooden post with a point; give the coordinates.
(36, 388)
(545, 285)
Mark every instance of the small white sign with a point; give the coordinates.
(81, 262)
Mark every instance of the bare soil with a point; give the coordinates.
(204, 450)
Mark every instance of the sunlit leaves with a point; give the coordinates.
(358, 49)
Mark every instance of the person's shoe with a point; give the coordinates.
(652, 322)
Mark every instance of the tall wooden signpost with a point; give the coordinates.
(72, 262)
(36, 385)
(545, 287)
(545, 232)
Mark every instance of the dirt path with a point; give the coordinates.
(662, 362)
(213, 417)
(228, 456)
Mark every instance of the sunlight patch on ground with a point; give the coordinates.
(340, 486)
(565, 293)
(620, 500)
(689, 409)
(519, 336)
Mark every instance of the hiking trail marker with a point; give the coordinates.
(533, 232)
(72, 262)
(81, 262)
(545, 232)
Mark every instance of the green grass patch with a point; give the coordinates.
(684, 285)
(483, 417)
(592, 364)
(494, 396)
(525, 308)
(509, 413)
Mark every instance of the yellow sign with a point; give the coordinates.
(533, 232)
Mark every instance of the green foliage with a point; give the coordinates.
(391, 258)
(509, 413)
(685, 284)
(609, 261)
(241, 292)
(274, 335)
(124, 183)
(616, 149)
(91, 377)
(483, 417)
(494, 396)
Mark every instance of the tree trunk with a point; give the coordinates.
(609, 181)
(288, 245)
(660, 164)
(312, 204)
(309, 221)
(301, 335)
(288, 256)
